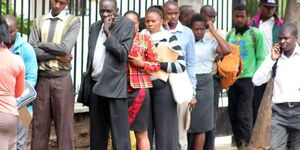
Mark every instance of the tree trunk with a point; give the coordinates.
(260, 135)
(292, 14)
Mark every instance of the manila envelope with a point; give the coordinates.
(25, 116)
(165, 54)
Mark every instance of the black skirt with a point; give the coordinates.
(202, 114)
(140, 122)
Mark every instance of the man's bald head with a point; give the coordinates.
(170, 3)
(208, 13)
(206, 8)
(171, 13)
(10, 19)
(289, 28)
(12, 25)
(186, 14)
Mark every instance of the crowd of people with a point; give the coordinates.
(126, 84)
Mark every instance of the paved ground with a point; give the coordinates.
(225, 147)
(224, 143)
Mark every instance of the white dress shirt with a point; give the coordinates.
(267, 28)
(99, 55)
(287, 80)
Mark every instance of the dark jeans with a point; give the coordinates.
(285, 122)
(257, 98)
(240, 96)
(210, 135)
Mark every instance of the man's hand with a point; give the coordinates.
(192, 103)
(275, 52)
(136, 61)
(65, 59)
(166, 24)
(108, 22)
(210, 25)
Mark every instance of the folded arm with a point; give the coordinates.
(65, 47)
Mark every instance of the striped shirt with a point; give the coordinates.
(165, 38)
(54, 36)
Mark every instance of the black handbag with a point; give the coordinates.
(85, 89)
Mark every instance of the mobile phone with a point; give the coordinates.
(280, 50)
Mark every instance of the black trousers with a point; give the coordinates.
(210, 135)
(163, 124)
(240, 96)
(109, 114)
(257, 98)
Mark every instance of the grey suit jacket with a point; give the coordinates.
(113, 80)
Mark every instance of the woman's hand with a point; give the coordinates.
(136, 61)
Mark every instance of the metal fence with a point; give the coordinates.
(87, 10)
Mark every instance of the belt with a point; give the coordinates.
(290, 104)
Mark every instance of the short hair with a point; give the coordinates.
(183, 10)
(195, 18)
(170, 3)
(114, 1)
(4, 32)
(155, 10)
(133, 12)
(240, 7)
(290, 28)
(10, 18)
(156, 6)
(205, 7)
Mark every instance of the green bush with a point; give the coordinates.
(26, 28)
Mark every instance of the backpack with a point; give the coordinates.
(230, 67)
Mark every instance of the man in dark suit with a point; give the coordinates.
(109, 43)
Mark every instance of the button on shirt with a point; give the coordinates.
(99, 55)
(287, 80)
(206, 50)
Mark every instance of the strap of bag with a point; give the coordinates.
(253, 37)
(229, 35)
(274, 68)
(251, 34)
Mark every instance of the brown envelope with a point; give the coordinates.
(165, 54)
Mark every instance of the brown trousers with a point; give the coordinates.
(8, 131)
(55, 100)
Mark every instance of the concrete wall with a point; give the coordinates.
(195, 3)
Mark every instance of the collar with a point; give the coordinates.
(204, 39)
(241, 31)
(257, 17)
(61, 16)
(296, 50)
(19, 41)
(179, 28)
(272, 19)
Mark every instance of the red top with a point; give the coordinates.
(143, 45)
(12, 81)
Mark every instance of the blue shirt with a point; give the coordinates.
(27, 53)
(186, 40)
(206, 51)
